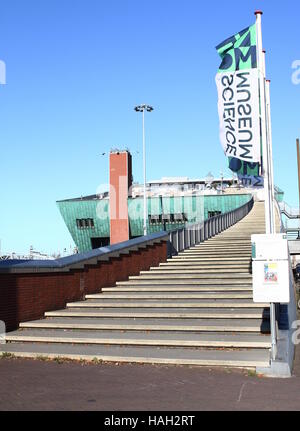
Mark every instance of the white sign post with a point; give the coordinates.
(270, 268)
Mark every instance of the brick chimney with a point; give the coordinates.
(120, 181)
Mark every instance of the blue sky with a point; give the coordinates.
(76, 69)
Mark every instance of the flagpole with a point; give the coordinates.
(261, 71)
(265, 167)
(270, 150)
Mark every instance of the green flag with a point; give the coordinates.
(239, 51)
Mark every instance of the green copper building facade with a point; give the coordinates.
(88, 222)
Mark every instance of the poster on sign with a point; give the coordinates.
(270, 273)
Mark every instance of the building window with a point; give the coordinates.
(167, 218)
(213, 213)
(85, 223)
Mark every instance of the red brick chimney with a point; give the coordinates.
(120, 181)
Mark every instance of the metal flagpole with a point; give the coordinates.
(265, 167)
(269, 148)
(298, 160)
(270, 156)
(260, 59)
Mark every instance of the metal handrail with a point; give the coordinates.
(192, 234)
(289, 211)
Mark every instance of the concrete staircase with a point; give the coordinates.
(196, 309)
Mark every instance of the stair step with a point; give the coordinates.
(203, 253)
(191, 325)
(229, 246)
(193, 276)
(119, 313)
(210, 259)
(219, 250)
(178, 296)
(182, 288)
(200, 266)
(240, 277)
(176, 339)
(180, 282)
(247, 358)
(161, 304)
(179, 271)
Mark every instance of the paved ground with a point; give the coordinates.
(41, 385)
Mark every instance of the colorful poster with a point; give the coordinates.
(271, 273)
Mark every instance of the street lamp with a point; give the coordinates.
(143, 108)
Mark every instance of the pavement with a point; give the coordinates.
(38, 385)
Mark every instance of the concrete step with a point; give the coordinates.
(119, 313)
(184, 325)
(213, 255)
(170, 275)
(202, 253)
(238, 259)
(194, 276)
(192, 268)
(195, 271)
(182, 288)
(219, 239)
(209, 249)
(165, 339)
(164, 304)
(244, 358)
(201, 265)
(218, 249)
(185, 282)
(222, 245)
(179, 300)
(244, 245)
(219, 256)
(178, 296)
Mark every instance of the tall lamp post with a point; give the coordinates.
(143, 108)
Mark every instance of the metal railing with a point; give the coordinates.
(192, 234)
(289, 211)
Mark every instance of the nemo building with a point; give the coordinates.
(118, 215)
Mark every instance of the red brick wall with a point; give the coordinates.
(25, 297)
(119, 183)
